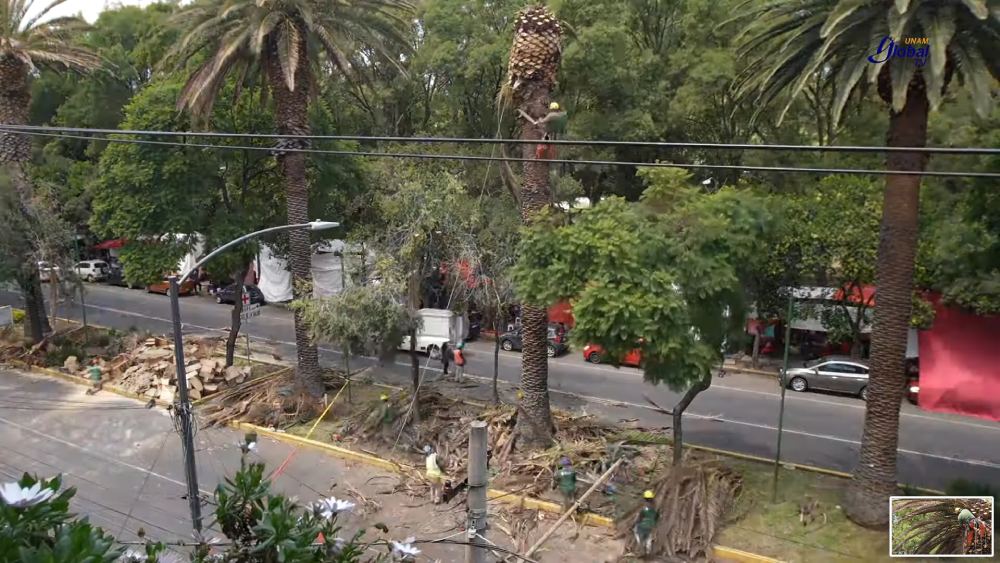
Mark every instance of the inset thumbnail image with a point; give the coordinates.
(941, 526)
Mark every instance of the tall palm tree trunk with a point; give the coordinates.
(15, 151)
(534, 417)
(292, 118)
(875, 476)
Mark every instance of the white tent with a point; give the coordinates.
(330, 259)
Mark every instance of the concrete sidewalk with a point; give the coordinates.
(126, 464)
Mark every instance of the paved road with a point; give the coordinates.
(739, 412)
(125, 462)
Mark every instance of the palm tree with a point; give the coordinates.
(531, 76)
(282, 40)
(25, 45)
(788, 43)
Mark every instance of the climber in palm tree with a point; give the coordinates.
(554, 123)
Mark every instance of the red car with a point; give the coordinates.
(595, 355)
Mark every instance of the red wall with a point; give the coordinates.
(960, 364)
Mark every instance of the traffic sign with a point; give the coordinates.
(250, 310)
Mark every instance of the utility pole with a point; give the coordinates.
(183, 408)
(476, 551)
(784, 387)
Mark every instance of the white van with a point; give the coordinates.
(438, 328)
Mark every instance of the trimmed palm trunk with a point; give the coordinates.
(534, 417)
(531, 74)
(292, 118)
(875, 476)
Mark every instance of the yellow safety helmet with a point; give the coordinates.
(554, 106)
(383, 397)
(648, 495)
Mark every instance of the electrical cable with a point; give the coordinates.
(494, 141)
(475, 158)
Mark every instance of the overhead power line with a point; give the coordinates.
(493, 141)
(467, 157)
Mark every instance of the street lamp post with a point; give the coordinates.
(182, 407)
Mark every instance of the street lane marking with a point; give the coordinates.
(602, 369)
(95, 454)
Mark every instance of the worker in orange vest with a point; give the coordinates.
(459, 358)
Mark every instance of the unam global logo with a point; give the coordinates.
(916, 48)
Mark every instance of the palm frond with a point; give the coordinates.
(44, 43)
(786, 44)
(241, 35)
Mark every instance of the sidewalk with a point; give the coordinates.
(125, 461)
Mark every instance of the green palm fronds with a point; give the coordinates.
(786, 44)
(241, 36)
(36, 43)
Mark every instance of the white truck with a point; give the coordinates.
(438, 328)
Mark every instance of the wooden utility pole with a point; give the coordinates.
(476, 527)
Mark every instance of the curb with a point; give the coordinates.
(588, 518)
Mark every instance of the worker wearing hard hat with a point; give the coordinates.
(435, 473)
(554, 123)
(645, 523)
(565, 480)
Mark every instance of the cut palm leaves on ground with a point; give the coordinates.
(694, 502)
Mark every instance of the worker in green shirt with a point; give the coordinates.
(554, 123)
(565, 480)
(645, 523)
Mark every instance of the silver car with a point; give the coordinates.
(832, 373)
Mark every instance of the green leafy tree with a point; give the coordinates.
(786, 45)
(421, 215)
(282, 41)
(365, 319)
(663, 276)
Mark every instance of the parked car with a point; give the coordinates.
(438, 328)
(913, 381)
(92, 270)
(45, 270)
(557, 345)
(831, 373)
(186, 288)
(116, 276)
(228, 294)
(595, 355)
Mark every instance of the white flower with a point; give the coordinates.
(132, 556)
(330, 507)
(336, 547)
(19, 497)
(405, 549)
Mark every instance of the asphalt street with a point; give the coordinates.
(738, 413)
(125, 462)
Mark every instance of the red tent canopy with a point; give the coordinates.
(109, 244)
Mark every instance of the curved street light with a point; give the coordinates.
(183, 405)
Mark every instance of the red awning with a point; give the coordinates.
(864, 294)
(109, 244)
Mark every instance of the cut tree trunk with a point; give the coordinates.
(235, 322)
(534, 417)
(292, 118)
(415, 374)
(875, 476)
(755, 362)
